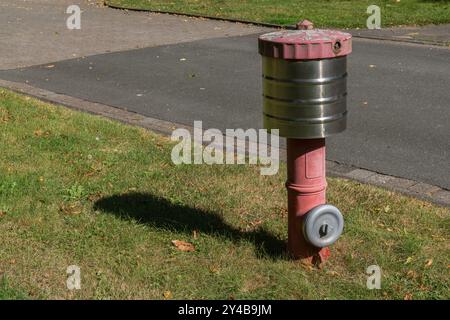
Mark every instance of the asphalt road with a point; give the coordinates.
(399, 104)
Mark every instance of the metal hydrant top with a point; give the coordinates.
(306, 44)
(305, 81)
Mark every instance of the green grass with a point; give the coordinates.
(324, 13)
(8, 293)
(77, 189)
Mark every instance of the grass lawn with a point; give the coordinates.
(8, 293)
(77, 189)
(324, 13)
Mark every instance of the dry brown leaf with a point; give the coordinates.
(95, 196)
(307, 265)
(424, 288)
(4, 115)
(214, 269)
(70, 209)
(41, 133)
(167, 295)
(429, 262)
(183, 246)
(411, 274)
(408, 296)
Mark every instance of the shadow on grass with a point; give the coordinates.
(160, 213)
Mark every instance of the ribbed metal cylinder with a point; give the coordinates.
(305, 98)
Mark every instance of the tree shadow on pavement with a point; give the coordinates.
(158, 212)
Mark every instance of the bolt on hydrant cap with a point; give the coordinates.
(306, 43)
(305, 25)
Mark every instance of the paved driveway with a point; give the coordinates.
(34, 31)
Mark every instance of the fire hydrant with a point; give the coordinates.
(304, 92)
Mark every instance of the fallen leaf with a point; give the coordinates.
(70, 209)
(95, 196)
(307, 265)
(411, 274)
(183, 246)
(214, 269)
(408, 260)
(41, 133)
(424, 288)
(4, 115)
(428, 263)
(408, 296)
(167, 295)
(50, 66)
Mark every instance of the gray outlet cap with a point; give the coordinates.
(323, 225)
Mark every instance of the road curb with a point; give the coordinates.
(408, 187)
(276, 26)
(200, 16)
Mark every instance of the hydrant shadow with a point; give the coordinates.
(159, 213)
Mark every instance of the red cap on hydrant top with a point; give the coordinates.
(305, 44)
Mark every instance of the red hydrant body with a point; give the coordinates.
(306, 185)
(304, 94)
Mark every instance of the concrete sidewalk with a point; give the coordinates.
(34, 32)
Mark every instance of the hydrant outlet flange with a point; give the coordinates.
(323, 225)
